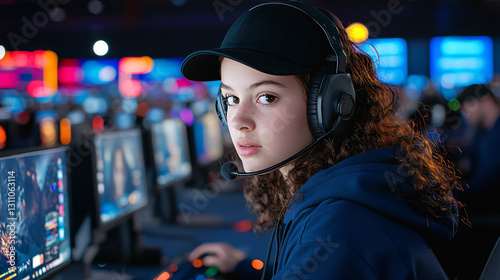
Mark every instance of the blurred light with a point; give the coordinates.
(166, 68)
(95, 7)
(95, 105)
(98, 124)
(164, 276)
(129, 106)
(101, 48)
(201, 107)
(99, 72)
(76, 117)
(36, 88)
(197, 263)
(124, 121)
(8, 80)
(13, 104)
(132, 198)
(2, 51)
(49, 71)
(170, 85)
(20, 58)
(242, 226)
(3, 137)
(451, 46)
(155, 114)
(130, 88)
(173, 267)
(48, 132)
(454, 104)
(257, 264)
(213, 88)
(142, 109)
(23, 118)
(136, 65)
(461, 61)
(358, 33)
(419, 82)
(65, 136)
(438, 116)
(70, 74)
(187, 116)
(211, 272)
(107, 74)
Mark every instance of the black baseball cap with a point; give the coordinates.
(274, 39)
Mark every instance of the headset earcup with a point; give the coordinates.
(313, 110)
(221, 108)
(331, 103)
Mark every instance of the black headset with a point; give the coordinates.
(331, 100)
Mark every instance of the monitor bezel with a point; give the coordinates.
(107, 226)
(65, 149)
(176, 181)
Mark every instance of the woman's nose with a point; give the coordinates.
(242, 117)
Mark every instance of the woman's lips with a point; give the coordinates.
(247, 148)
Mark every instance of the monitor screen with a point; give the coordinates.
(208, 138)
(120, 175)
(461, 61)
(390, 58)
(34, 219)
(171, 151)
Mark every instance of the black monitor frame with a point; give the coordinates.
(68, 210)
(107, 226)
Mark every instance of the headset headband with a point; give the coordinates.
(327, 25)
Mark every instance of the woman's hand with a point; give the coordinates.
(222, 255)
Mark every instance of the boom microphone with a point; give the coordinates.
(230, 171)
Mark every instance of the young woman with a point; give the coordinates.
(368, 196)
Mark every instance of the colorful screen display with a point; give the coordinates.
(461, 61)
(121, 176)
(171, 151)
(34, 214)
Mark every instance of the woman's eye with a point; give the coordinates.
(267, 99)
(232, 100)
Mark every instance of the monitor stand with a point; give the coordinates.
(121, 245)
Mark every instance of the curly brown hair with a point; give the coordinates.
(377, 126)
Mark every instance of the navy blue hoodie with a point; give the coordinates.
(351, 223)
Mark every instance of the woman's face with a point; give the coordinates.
(266, 115)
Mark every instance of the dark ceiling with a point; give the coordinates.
(159, 28)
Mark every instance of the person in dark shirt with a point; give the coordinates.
(368, 196)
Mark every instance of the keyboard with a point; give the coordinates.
(187, 271)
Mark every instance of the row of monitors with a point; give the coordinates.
(34, 201)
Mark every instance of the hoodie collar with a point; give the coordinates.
(373, 179)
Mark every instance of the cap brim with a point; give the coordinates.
(205, 65)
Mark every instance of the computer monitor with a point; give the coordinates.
(208, 138)
(120, 176)
(34, 219)
(171, 151)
